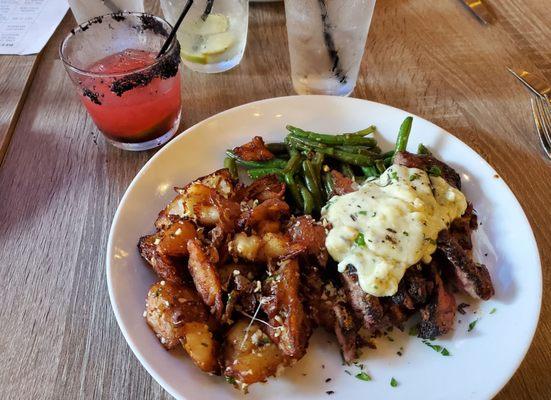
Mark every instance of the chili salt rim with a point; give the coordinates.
(119, 17)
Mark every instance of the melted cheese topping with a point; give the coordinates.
(390, 224)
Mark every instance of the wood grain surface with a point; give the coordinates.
(60, 183)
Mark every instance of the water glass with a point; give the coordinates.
(213, 34)
(132, 96)
(326, 43)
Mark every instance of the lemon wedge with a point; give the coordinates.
(213, 24)
(216, 44)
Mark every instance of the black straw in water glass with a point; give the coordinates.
(175, 29)
(330, 44)
(208, 9)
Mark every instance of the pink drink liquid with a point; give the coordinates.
(140, 114)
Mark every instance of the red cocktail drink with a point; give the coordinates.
(138, 115)
(132, 95)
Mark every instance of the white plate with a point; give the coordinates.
(482, 361)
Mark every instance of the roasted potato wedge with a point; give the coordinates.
(205, 277)
(263, 249)
(174, 239)
(169, 269)
(199, 343)
(249, 355)
(291, 328)
(169, 307)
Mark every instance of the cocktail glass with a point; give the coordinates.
(133, 97)
(213, 35)
(326, 43)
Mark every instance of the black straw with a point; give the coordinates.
(176, 26)
(208, 9)
(330, 44)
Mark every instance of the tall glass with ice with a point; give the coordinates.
(132, 94)
(326, 43)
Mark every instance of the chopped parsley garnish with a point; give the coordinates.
(230, 379)
(374, 213)
(439, 349)
(362, 212)
(405, 233)
(360, 240)
(413, 177)
(394, 175)
(435, 171)
(393, 382)
(493, 311)
(330, 392)
(363, 376)
(472, 325)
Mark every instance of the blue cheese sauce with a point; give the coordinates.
(390, 224)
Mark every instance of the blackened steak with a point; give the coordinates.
(469, 276)
(367, 308)
(426, 163)
(438, 315)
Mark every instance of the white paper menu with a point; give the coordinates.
(26, 25)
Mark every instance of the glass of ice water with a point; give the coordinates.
(214, 32)
(326, 43)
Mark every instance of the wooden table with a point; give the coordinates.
(60, 183)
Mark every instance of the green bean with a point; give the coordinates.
(257, 173)
(364, 132)
(296, 141)
(307, 199)
(294, 163)
(347, 170)
(388, 154)
(312, 183)
(421, 149)
(368, 151)
(277, 148)
(274, 163)
(370, 172)
(389, 161)
(380, 164)
(293, 189)
(230, 164)
(346, 139)
(328, 184)
(317, 163)
(403, 135)
(306, 145)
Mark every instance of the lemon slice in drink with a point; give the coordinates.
(216, 44)
(215, 23)
(197, 58)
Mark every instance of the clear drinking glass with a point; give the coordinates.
(213, 34)
(132, 96)
(326, 43)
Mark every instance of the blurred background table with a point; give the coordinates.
(60, 183)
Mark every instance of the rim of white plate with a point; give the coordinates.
(149, 368)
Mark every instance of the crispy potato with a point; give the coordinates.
(267, 187)
(255, 150)
(249, 356)
(169, 269)
(174, 239)
(198, 192)
(311, 234)
(201, 346)
(263, 249)
(205, 277)
(291, 328)
(169, 307)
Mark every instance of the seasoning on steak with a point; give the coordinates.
(426, 163)
(471, 277)
(342, 184)
(367, 308)
(438, 315)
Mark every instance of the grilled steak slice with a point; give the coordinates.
(471, 277)
(346, 331)
(414, 289)
(426, 162)
(461, 228)
(438, 315)
(367, 308)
